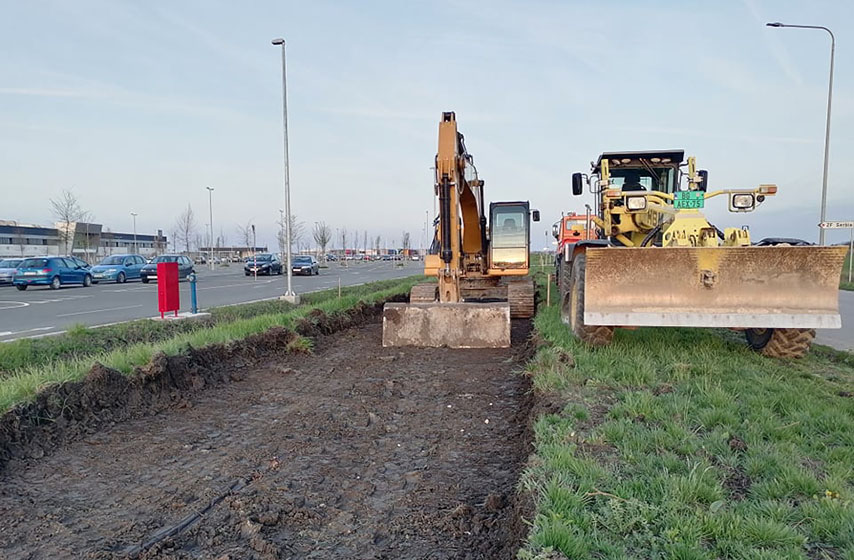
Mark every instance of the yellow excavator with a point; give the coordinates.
(658, 261)
(481, 264)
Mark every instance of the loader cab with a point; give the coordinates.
(509, 235)
(640, 171)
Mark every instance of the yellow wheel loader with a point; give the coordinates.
(481, 264)
(657, 261)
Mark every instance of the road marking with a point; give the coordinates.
(58, 300)
(99, 310)
(12, 304)
(10, 333)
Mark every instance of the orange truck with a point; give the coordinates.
(571, 228)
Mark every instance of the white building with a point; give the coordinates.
(84, 240)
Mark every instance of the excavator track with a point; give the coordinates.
(520, 295)
(423, 293)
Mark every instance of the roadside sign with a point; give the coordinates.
(836, 225)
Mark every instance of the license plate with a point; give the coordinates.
(30, 273)
(689, 200)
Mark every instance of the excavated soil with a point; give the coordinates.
(355, 451)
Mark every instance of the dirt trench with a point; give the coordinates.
(355, 451)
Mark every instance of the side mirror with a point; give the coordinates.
(704, 180)
(535, 215)
(556, 230)
(577, 184)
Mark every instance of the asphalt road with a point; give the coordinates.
(841, 339)
(41, 311)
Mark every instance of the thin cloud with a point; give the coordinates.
(728, 137)
(777, 49)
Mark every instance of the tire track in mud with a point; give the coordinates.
(354, 452)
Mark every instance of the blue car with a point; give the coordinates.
(51, 271)
(118, 268)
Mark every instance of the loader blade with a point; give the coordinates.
(455, 325)
(758, 287)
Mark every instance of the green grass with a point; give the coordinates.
(80, 342)
(844, 284)
(52, 366)
(683, 444)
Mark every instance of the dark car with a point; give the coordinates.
(149, 271)
(262, 264)
(51, 271)
(304, 264)
(7, 270)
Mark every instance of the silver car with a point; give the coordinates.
(7, 270)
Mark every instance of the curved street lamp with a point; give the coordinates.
(827, 125)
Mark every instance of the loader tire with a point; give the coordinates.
(565, 279)
(520, 295)
(780, 343)
(572, 308)
(424, 293)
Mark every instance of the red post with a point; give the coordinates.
(168, 296)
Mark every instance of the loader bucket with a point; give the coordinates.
(455, 325)
(758, 287)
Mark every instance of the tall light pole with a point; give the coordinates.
(282, 231)
(290, 295)
(135, 249)
(211, 239)
(827, 124)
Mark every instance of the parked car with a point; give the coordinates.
(80, 262)
(51, 271)
(149, 271)
(331, 257)
(7, 270)
(305, 264)
(118, 268)
(262, 264)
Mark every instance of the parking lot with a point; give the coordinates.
(42, 311)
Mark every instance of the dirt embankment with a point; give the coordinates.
(355, 451)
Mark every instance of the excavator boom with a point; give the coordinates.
(480, 273)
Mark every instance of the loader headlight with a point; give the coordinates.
(636, 202)
(742, 202)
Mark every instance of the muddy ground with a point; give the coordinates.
(355, 451)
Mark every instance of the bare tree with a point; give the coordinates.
(297, 234)
(377, 244)
(405, 242)
(185, 229)
(322, 236)
(244, 233)
(344, 240)
(20, 238)
(66, 210)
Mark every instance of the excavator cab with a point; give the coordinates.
(509, 236)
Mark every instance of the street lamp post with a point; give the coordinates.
(290, 295)
(827, 124)
(210, 210)
(135, 249)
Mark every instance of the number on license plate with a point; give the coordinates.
(689, 200)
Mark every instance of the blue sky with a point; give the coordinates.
(137, 106)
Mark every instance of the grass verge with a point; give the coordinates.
(844, 284)
(683, 444)
(230, 324)
(80, 342)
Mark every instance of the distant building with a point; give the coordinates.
(88, 241)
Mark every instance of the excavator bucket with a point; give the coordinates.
(757, 287)
(455, 325)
